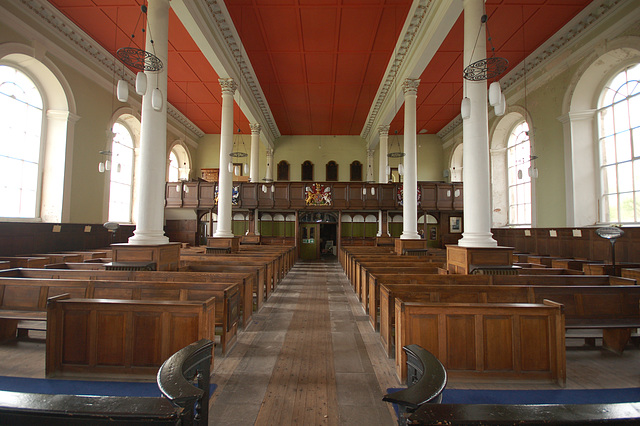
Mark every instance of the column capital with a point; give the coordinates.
(410, 86)
(383, 130)
(255, 128)
(228, 86)
(370, 152)
(577, 116)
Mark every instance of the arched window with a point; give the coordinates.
(283, 170)
(21, 117)
(332, 171)
(121, 186)
(355, 174)
(619, 147)
(456, 164)
(307, 170)
(179, 164)
(519, 179)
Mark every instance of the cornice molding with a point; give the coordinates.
(220, 17)
(400, 54)
(571, 33)
(82, 43)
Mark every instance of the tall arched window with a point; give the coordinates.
(307, 170)
(519, 179)
(619, 147)
(179, 164)
(174, 168)
(121, 187)
(21, 117)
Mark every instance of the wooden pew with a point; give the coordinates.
(245, 280)
(107, 338)
(486, 341)
(74, 265)
(24, 299)
(613, 309)
(26, 261)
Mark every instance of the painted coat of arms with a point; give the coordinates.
(318, 195)
(401, 192)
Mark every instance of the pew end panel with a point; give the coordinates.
(116, 338)
(477, 342)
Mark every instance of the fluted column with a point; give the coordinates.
(225, 177)
(383, 161)
(255, 153)
(410, 185)
(151, 175)
(269, 173)
(475, 134)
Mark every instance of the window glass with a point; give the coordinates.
(21, 116)
(519, 180)
(619, 147)
(121, 188)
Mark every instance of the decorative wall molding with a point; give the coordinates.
(400, 54)
(82, 43)
(571, 33)
(220, 17)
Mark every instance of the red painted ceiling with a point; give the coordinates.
(320, 62)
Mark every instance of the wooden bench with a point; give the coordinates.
(613, 309)
(24, 299)
(26, 261)
(119, 338)
(245, 280)
(486, 341)
(527, 414)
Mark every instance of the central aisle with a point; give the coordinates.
(309, 357)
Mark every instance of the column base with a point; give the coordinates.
(222, 234)
(384, 241)
(484, 239)
(148, 238)
(410, 236)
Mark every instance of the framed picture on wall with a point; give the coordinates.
(455, 224)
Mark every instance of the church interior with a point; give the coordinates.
(237, 171)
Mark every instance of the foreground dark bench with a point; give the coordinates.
(426, 379)
(627, 413)
(182, 405)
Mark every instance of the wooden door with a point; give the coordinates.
(309, 235)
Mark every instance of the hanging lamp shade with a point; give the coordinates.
(465, 108)
(156, 99)
(501, 107)
(107, 165)
(495, 93)
(123, 91)
(400, 169)
(230, 167)
(101, 167)
(141, 83)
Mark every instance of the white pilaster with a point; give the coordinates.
(383, 161)
(410, 185)
(153, 136)
(370, 165)
(255, 152)
(269, 173)
(225, 177)
(256, 222)
(475, 134)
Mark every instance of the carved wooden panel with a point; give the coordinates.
(340, 192)
(280, 195)
(388, 196)
(207, 192)
(190, 195)
(173, 196)
(248, 195)
(457, 196)
(356, 199)
(297, 194)
(445, 196)
(429, 195)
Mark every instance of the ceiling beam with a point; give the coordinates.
(426, 26)
(210, 25)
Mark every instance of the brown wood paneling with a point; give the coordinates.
(249, 195)
(173, 196)
(147, 350)
(356, 199)
(461, 338)
(75, 340)
(535, 353)
(445, 196)
(371, 201)
(110, 346)
(429, 195)
(388, 196)
(297, 194)
(457, 196)
(190, 195)
(498, 343)
(340, 195)
(207, 191)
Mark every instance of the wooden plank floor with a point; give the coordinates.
(311, 357)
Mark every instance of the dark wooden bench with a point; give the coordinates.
(177, 406)
(486, 341)
(527, 415)
(426, 379)
(120, 338)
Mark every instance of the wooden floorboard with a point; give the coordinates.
(310, 357)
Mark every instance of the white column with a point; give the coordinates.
(383, 161)
(370, 165)
(255, 153)
(475, 134)
(151, 174)
(410, 185)
(269, 173)
(225, 177)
